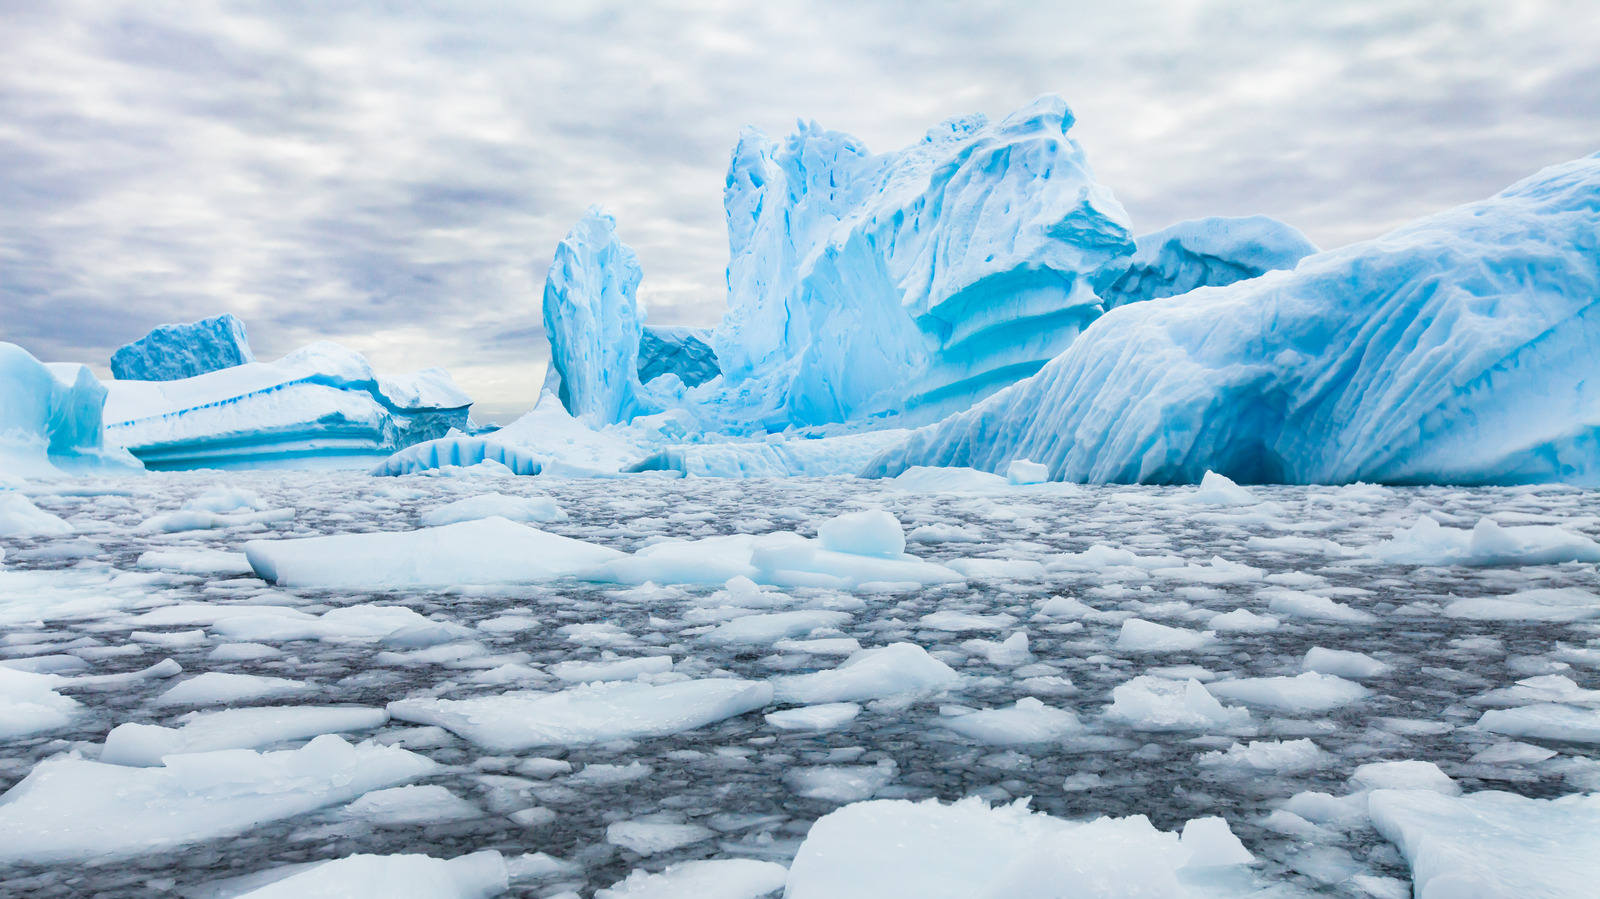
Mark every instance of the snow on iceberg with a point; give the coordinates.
(175, 352)
(967, 849)
(588, 714)
(1208, 252)
(69, 808)
(143, 745)
(50, 419)
(1457, 349)
(320, 406)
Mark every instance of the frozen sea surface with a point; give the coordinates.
(1351, 654)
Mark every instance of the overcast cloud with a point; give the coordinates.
(395, 176)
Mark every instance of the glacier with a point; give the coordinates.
(174, 352)
(50, 419)
(1208, 252)
(320, 406)
(1458, 349)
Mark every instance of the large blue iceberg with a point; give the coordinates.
(684, 352)
(50, 418)
(1208, 252)
(173, 352)
(320, 406)
(1459, 349)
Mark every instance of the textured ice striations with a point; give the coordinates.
(320, 406)
(685, 352)
(175, 352)
(1457, 349)
(50, 418)
(1208, 252)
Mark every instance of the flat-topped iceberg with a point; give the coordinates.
(175, 352)
(320, 406)
(1457, 349)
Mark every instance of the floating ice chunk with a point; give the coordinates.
(1409, 774)
(1008, 653)
(1021, 472)
(1545, 721)
(19, 517)
(870, 674)
(1029, 721)
(219, 687)
(999, 569)
(1492, 844)
(1343, 663)
(1308, 692)
(344, 623)
(606, 775)
(1318, 608)
(72, 809)
(959, 622)
(964, 850)
(1242, 621)
(1317, 546)
(144, 744)
(776, 625)
(924, 479)
(1324, 808)
(495, 505)
(730, 878)
(195, 520)
(480, 875)
(781, 559)
(595, 713)
(1558, 604)
(1292, 757)
(840, 783)
(1545, 688)
(1513, 753)
(650, 837)
(205, 562)
(1138, 635)
(1429, 543)
(487, 551)
(1213, 844)
(1216, 490)
(943, 533)
(822, 646)
(1217, 571)
(1065, 607)
(228, 499)
(826, 716)
(1158, 704)
(620, 669)
(873, 532)
(29, 703)
(411, 805)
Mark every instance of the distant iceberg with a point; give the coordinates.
(50, 419)
(320, 406)
(1458, 349)
(174, 352)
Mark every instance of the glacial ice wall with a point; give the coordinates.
(50, 418)
(1458, 349)
(173, 352)
(1207, 252)
(916, 281)
(593, 321)
(320, 406)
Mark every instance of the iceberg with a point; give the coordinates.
(1457, 349)
(1208, 252)
(175, 352)
(320, 406)
(50, 419)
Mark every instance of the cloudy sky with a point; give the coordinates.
(395, 175)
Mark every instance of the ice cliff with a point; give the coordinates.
(320, 406)
(1457, 349)
(50, 418)
(1208, 252)
(173, 352)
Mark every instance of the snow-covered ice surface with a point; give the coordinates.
(1260, 655)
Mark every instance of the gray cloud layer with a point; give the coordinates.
(395, 176)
